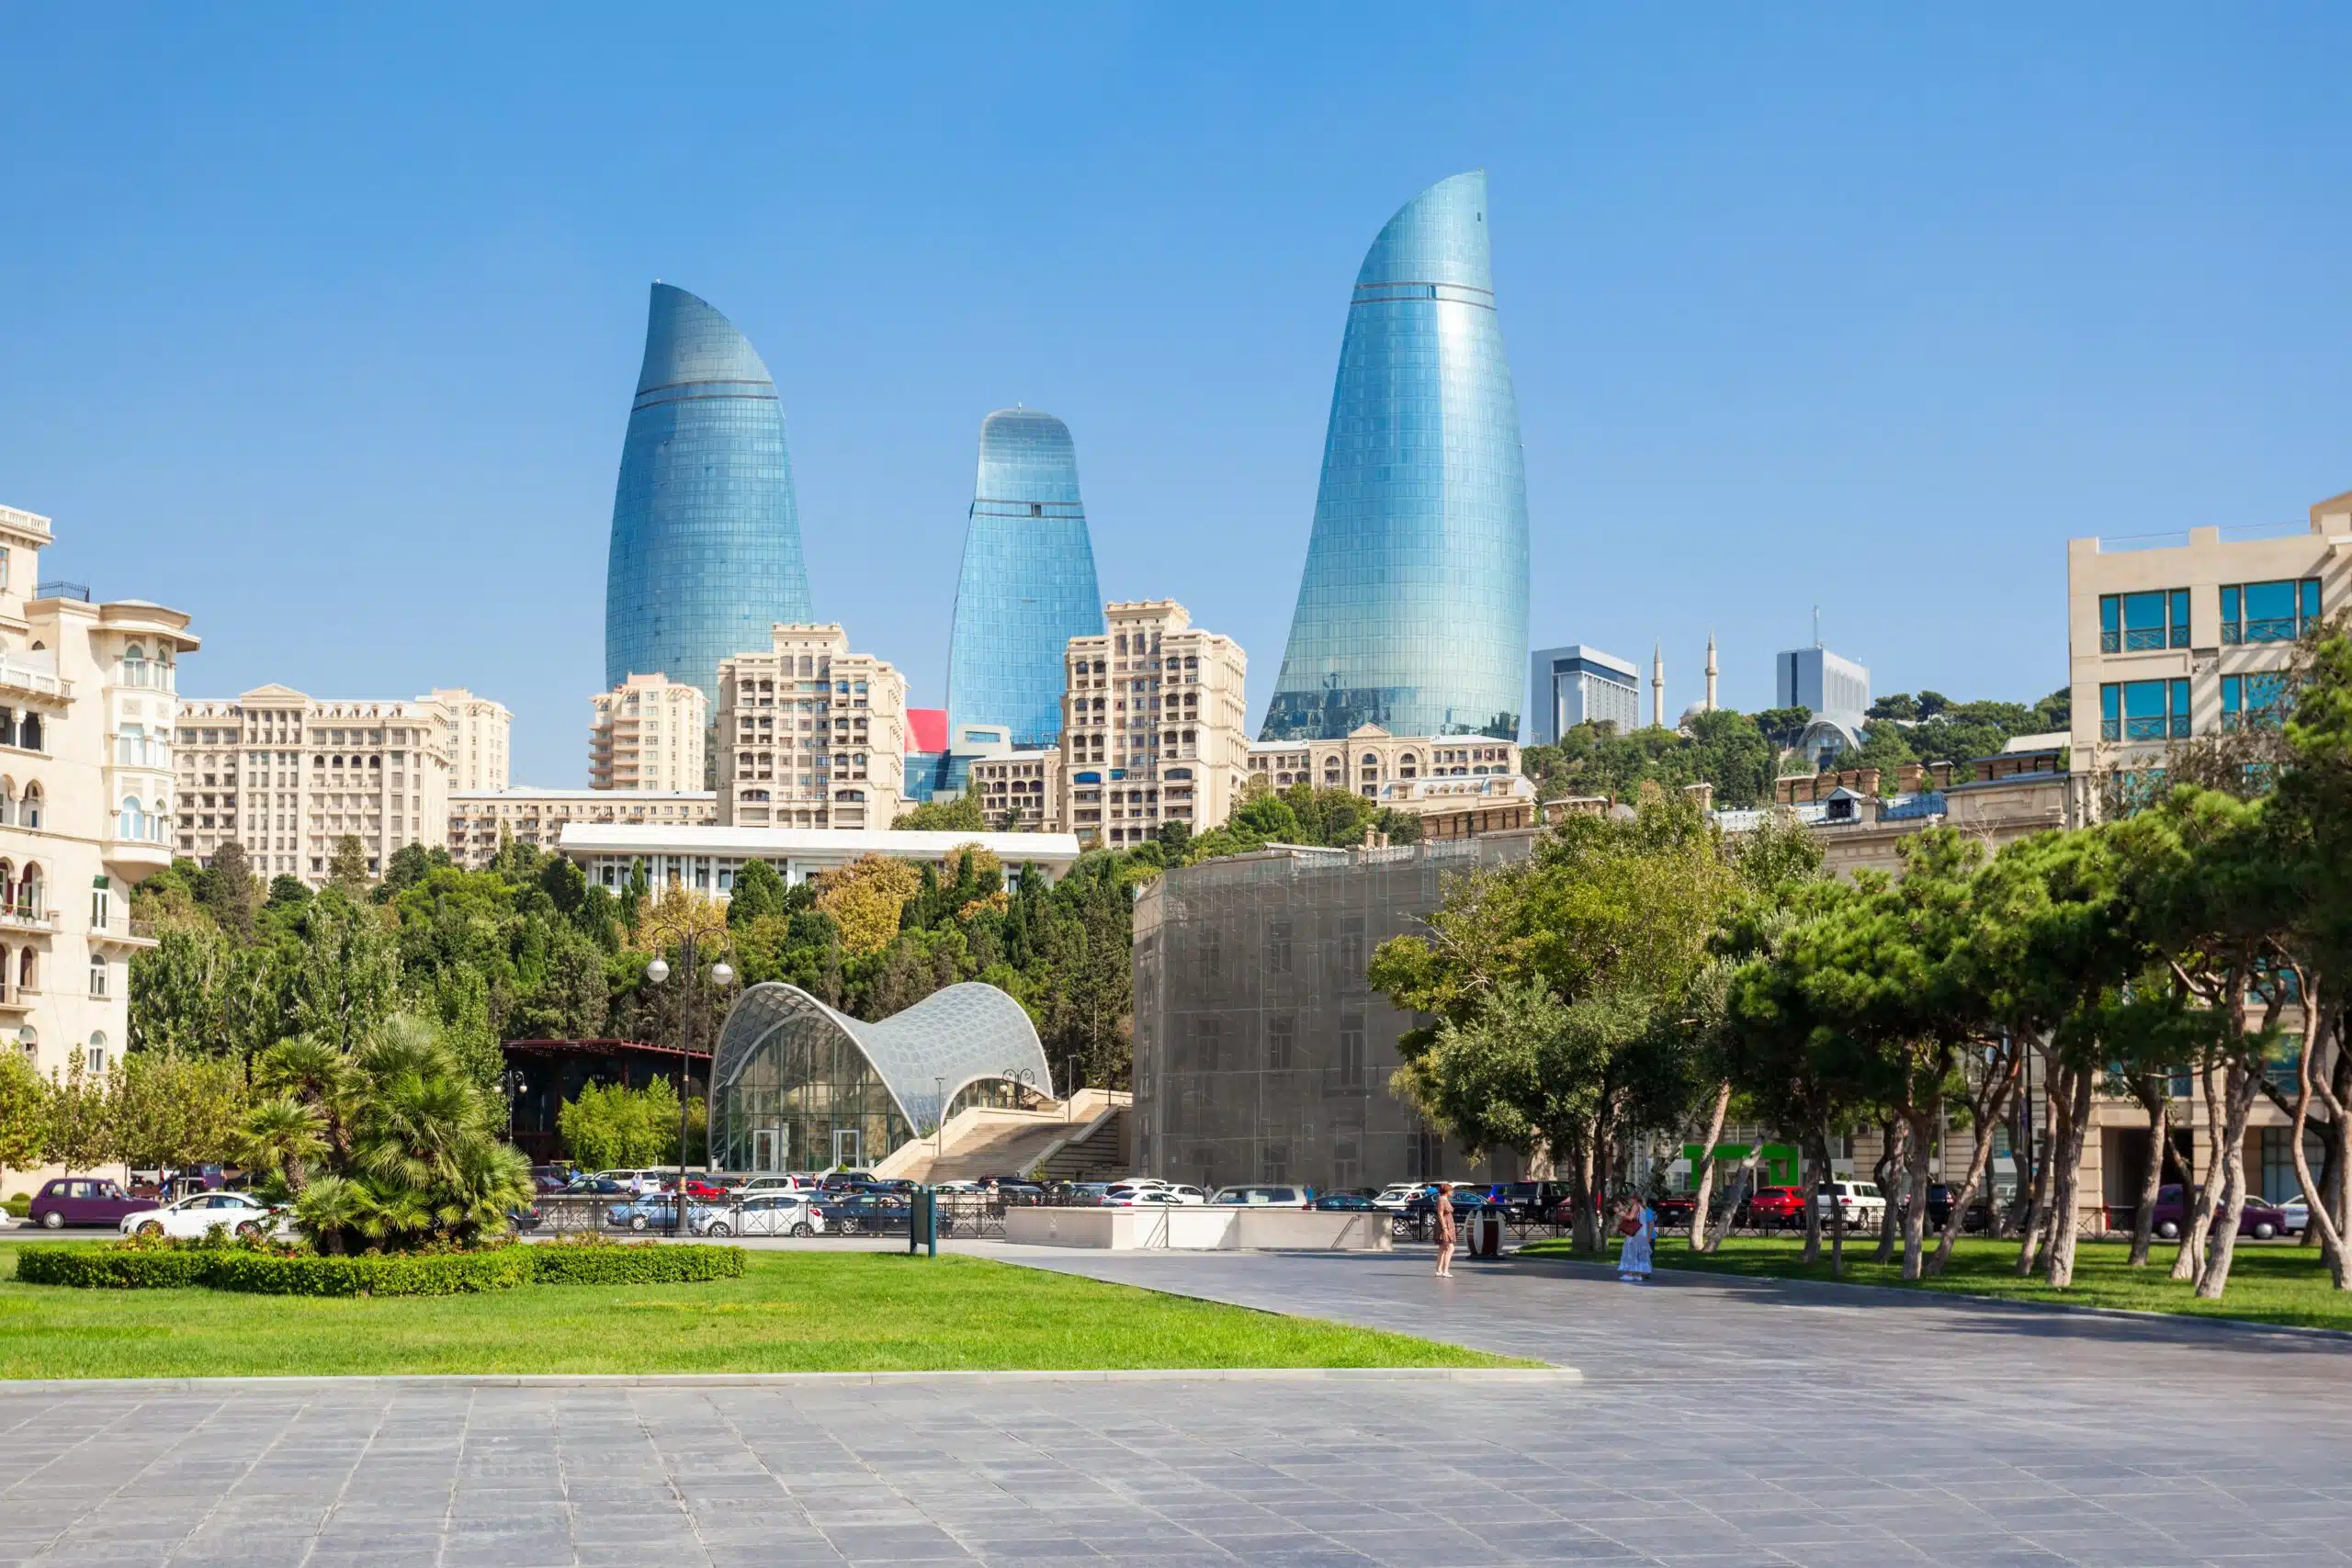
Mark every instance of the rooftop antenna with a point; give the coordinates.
(1816, 626)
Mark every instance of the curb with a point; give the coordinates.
(1931, 1296)
(444, 1381)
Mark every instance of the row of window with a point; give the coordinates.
(2250, 612)
(2159, 710)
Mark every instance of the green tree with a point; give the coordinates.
(77, 1118)
(344, 974)
(347, 867)
(23, 1113)
(288, 892)
(226, 889)
(962, 814)
(172, 1111)
(758, 893)
(610, 1126)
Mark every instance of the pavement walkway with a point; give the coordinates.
(1720, 1423)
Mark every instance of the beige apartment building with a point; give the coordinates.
(1462, 778)
(1021, 792)
(2172, 636)
(477, 731)
(290, 776)
(87, 792)
(1154, 725)
(649, 733)
(481, 820)
(809, 734)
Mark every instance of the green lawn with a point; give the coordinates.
(791, 1312)
(2270, 1282)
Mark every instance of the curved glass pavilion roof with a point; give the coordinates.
(787, 1061)
(706, 546)
(1028, 581)
(1412, 611)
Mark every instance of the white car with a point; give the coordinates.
(1392, 1199)
(963, 1189)
(1862, 1202)
(2298, 1213)
(765, 1213)
(775, 1183)
(1262, 1197)
(1154, 1197)
(241, 1214)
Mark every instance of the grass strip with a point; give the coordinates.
(798, 1311)
(2271, 1283)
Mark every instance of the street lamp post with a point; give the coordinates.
(658, 973)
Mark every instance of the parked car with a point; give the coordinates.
(1392, 1198)
(1154, 1198)
(958, 1189)
(192, 1217)
(1528, 1203)
(1344, 1202)
(655, 1212)
(1774, 1208)
(701, 1192)
(776, 1181)
(1265, 1197)
(865, 1214)
(595, 1186)
(843, 1181)
(2295, 1215)
(2259, 1221)
(765, 1213)
(1674, 1210)
(1939, 1196)
(1860, 1204)
(82, 1201)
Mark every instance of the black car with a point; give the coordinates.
(865, 1214)
(1940, 1197)
(844, 1181)
(1526, 1202)
(595, 1186)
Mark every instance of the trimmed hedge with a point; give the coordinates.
(105, 1267)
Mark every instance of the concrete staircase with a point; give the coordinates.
(1084, 1137)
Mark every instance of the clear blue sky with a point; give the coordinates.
(322, 326)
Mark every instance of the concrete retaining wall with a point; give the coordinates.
(1199, 1229)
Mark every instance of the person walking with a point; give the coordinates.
(1444, 1211)
(1639, 1227)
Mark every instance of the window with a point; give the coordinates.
(2135, 623)
(1280, 1032)
(2268, 612)
(2251, 702)
(97, 979)
(98, 1057)
(2144, 710)
(1278, 946)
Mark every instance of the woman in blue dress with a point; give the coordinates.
(1639, 1227)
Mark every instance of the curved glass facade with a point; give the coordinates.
(798, 1085)
(1028, 581)
(706, 552)
(1412, 613)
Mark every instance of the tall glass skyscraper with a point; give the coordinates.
(706, 552)
(1028, 581)
(1412, 614)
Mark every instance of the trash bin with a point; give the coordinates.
(1487, 1238)
(923, 1222)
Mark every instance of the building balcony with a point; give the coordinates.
(17, 1000)
(27, 681)
(25, 917)
(123, 931)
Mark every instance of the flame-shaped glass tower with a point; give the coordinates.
(1412, 613)
(1028, 581)
(705, 553)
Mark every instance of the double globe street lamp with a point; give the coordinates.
(721, 975)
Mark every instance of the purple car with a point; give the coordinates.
(82, 1201)
(2259, 1221)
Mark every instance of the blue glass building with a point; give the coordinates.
(1412, 611)
(706, 552)
(1028, 581)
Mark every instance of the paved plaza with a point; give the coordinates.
(1719, 1423)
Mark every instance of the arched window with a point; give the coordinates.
(134, 666)
(97, 1057)
(28, 972)
(28, 732)
(29, 891)
(131, 822)
(29, 1039)
(8, 802)
(29, 810)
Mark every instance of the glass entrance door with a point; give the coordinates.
(763, 1150)
(846, 1148)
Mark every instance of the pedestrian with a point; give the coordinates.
(1444, 1211)
(1639, 1227)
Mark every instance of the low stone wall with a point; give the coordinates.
(1214, 1229)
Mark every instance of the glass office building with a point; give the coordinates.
(706, 552)
(1412, 613)
(1028, 581)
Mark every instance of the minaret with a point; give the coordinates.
(1657, 685)
(1711, 671)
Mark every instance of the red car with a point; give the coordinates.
(82, 1201)
(1776, 1208)
(700, 1190)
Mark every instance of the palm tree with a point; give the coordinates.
(282, 1138)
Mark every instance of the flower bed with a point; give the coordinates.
(264, 1272)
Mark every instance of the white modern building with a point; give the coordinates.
(1817, 680)
(704, 860)
(1578, 684)
(481, 820)
(86, 796)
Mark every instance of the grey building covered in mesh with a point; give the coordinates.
(1262, 1053)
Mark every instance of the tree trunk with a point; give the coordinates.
(2154, 1091)
(1985, 1109)
(1743, 1184)
(2245, 1074)
(2037, 1202)
(1893, 1156)
(2323, 1199)
(1816, 1171)
(2020, 1207)
(2187, 1263)
(2067, 1178)
(1837, 1211)
(1702, 1180)
(1921, 1130)
(1584, 1234)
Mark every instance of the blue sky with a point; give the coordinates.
(322, 326)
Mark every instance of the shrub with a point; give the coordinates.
(17, 1205)
(262, 1272)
